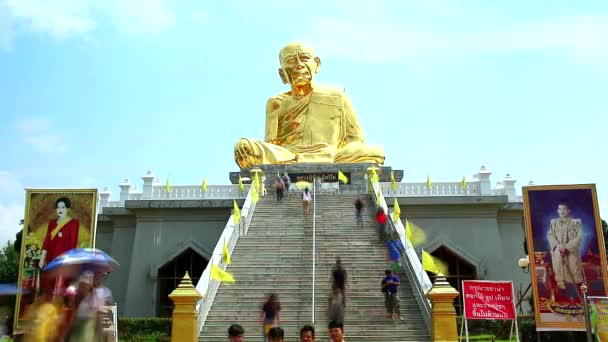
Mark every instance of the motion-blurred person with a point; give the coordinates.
(338, 279)
(336, 332)
(236, 333)
(381, 219)
(276, 334)
(359, 211)
(279, 187)
(44, 319)
(306, 201)
(285, 179)
(335, 307)
(270, 314)
(307, 333)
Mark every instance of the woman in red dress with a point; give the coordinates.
(61, 236)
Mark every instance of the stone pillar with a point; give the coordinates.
(443, 314)
(185, 318)
(485, 187)
(509, 187)
(148, 179)
(125, 188)
(104, 199)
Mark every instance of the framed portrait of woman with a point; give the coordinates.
(56, 221)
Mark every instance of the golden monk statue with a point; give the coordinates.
(310, 123)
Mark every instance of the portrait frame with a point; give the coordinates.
(40, 210)
(557, 298)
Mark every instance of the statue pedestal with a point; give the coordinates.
(327, 173)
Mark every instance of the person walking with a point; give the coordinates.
(390, 288)
(270, 314)
(306, 198)
(381, 220)
(338, 279)
(359, 211)
(279, 187)
(285, 179)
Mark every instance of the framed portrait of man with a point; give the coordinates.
(56, 221)
(566, 250)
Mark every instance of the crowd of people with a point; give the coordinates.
(75, 314)
(270, 314)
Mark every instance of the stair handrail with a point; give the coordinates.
(314, 246)
(419, 280)
(206, 286)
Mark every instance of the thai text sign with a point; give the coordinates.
(488, 299)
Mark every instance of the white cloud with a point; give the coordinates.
(62, 19)
(40, 135)
(11, 206)
(141, 16)
(10, 215)
(375, 35)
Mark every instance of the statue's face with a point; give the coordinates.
(299, 64)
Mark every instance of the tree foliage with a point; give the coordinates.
(9, 263)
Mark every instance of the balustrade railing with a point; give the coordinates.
(436, 189)
(418, 279)
(206, 286)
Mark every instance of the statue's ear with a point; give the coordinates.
(283, 76)
(318, 60)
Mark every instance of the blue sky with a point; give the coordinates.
(94, 91)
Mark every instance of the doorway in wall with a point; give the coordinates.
(459, 269)
(171, 274)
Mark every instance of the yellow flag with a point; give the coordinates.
(255, 195)
(237, 213)
(167, 186)
(463, 183)
(374, 176)
(204, 184)
(393, 182)
(428, 181)
(415, 234)
(218, 274)
(225, 254)
(241, 187)
(342, 178)
(396, 210)
(432, 264)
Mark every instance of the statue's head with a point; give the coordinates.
(299, 63)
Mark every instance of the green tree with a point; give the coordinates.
(605, 230)
(9, 263)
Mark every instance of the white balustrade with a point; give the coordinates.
(436, 189)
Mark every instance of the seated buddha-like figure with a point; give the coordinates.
(308, 124)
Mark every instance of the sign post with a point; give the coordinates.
(488, 300)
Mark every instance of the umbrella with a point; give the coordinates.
(8, 289)
(302, 185)
(79, 259)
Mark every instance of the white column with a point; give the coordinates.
(509, 186)
(485, 187)
(148, 184)
(104, 199)
(125, 188)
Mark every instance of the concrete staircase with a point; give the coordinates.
(276, 256)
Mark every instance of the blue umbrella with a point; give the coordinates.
(84, 259)
(8, 289)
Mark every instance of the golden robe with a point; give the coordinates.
(569, 234)
(321, 127)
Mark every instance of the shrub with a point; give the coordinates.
(144, 329)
